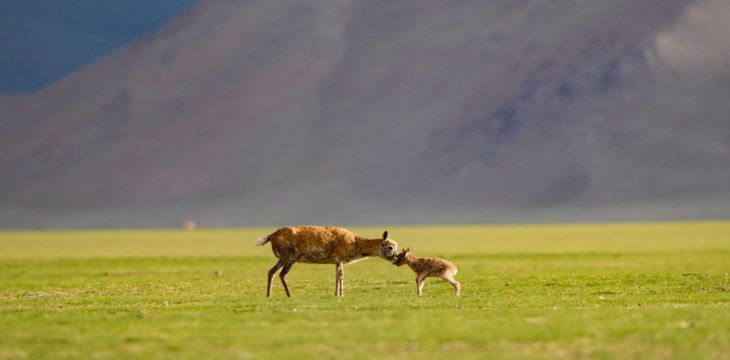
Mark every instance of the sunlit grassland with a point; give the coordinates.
(541, 291)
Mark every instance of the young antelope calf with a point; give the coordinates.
(425, 267)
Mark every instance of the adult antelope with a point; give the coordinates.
(322, 245)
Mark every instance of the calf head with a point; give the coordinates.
(400, 259)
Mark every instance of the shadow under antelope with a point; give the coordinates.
(322, 245)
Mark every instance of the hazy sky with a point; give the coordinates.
(41, 40)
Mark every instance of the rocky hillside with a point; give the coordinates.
(261, 112)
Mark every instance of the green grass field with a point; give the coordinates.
(649, 291)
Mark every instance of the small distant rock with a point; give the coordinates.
(190, 225)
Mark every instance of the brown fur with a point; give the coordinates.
(428, 267)
(322, 245)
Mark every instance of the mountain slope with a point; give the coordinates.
(40, 40)
(340, 111)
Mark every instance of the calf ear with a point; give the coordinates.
(385, 235)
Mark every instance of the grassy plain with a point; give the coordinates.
(650, 291)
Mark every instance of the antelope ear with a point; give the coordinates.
(385, 235)
(406, 250)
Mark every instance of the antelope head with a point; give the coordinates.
(388, 247)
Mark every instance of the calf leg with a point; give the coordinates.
(420, 279)
(282, 276)
(453, 282)
(271, 276)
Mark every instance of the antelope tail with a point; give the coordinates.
(262, 241)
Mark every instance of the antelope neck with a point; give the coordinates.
(368, 247)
